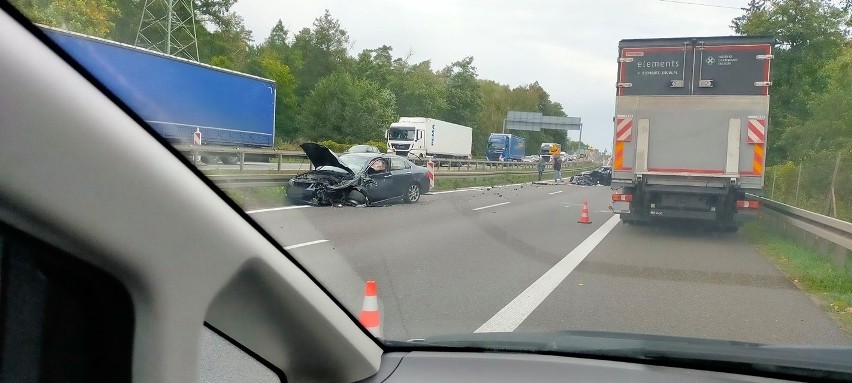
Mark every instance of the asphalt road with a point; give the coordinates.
(514, 258)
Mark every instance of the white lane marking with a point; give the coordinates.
(486, 207)
(454, 191)
(298, 245)
(277, 209)
(557, 192)
(511, 316)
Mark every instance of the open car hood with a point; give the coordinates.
(322, 156)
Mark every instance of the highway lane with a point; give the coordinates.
(449, 263)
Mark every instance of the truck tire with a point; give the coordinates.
(210, 160)
(230, 160)
(412, 193)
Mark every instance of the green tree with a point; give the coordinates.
(91, 17)
(809, 34)
(830, 127)
(419, 91)
(346, 109)
(323, 50)
(464, 101)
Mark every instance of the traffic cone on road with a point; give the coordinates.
(369, 316)
(584, 215)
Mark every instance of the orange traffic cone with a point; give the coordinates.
(584, 216)
(369, 317)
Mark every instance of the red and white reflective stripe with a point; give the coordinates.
(756, 130)
(196, 137)
(430, 174)
(622, 197)
(748, 204)
(623, 128)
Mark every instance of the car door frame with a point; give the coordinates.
(384, 186)
(402, 177)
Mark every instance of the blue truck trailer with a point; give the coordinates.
(179, 97)
(505, 147)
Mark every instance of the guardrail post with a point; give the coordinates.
(242, 159)
(280, 158)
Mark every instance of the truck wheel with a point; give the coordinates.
(210, 160)
(230, 160)
(412, 194)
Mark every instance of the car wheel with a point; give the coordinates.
(210, 160)
(412, 194)
(230, 160)
(358, 198)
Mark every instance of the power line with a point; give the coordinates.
(700, 4)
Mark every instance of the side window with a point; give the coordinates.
(61, 319)
(398, 164)
(378, 166)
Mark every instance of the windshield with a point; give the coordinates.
(355, 162)
(669, 212)
(402, 134)
(496, 145)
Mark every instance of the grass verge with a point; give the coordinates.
(259, 197)
(826, 282)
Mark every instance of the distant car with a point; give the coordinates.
(362, 149)
(533, 158)
(356, 179)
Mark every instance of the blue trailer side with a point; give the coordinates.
(177, 96)
(509, 147)
(517, 148)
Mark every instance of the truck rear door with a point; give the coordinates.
(695, 107)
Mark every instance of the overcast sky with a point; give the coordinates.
(568, 46)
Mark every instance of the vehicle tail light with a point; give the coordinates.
(748, 204)
(622, 197)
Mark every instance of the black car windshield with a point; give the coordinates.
(356, 163)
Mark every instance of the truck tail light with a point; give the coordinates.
(748, 204)
(622, 197)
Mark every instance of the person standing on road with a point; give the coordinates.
(540, 167)
(557, 168)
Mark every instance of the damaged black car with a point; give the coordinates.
(356, 179)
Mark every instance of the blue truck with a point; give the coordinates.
(179, 97)
(505, 147)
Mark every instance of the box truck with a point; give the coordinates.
(419, 138)
(690, 127)
(505, 147)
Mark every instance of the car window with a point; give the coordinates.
(685, 138)
(379, 165)
(398, 164)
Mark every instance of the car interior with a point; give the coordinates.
(120, 261)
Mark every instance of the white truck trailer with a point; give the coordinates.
(419, 138)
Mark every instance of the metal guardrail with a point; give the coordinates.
(441, 165)
(233, 181)
(831, 237)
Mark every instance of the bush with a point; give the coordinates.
(383, 146)
(334, 146)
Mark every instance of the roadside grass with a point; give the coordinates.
(502, 179)
(814, 274)
(259, 197)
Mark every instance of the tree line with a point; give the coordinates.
(811, 94)
(323, 92)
